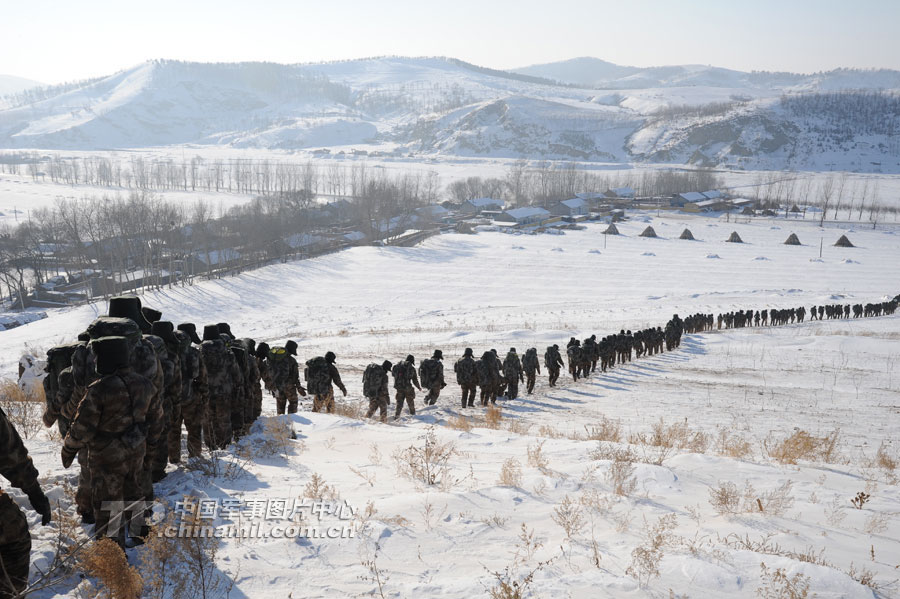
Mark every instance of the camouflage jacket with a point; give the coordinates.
(552, 359)
(284, 371)
(111, 407)
(465, 371)
(512, 367)
(405, 375)
(15, 463)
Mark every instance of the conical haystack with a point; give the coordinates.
(843, 242)
(735, 238)
(649, 232)
(686, 234)
(793, 240)
(611, 230)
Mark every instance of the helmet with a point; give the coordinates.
(291, 348)
(262, 350)
(330, 357)
(410, 359)
(512, 350)
(468, 351)
(438, 355)
(387, 365)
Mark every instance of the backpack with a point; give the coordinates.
(465, 371)
(574, 353)
(530, 360)
(401, 375)
(429, 372)
(484, 372)
(374, 378)
(318, 376)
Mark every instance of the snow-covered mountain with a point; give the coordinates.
(10, 84)
(445, 107)
(596, 73)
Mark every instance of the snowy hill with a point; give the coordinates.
(447, 107)
(599, 74)
(10, 84)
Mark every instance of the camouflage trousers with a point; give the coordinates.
(160, 457)
(468, 395)
(115, 477)
(174, 437)
(408, 396)
(15, 548)
(573, 370)
(379, 403)
(529, 382)
(83, 492)
(257, 399)
(218, 427)
(432, 396)
(488, 394)
(553, 374)
(324, 400)
(512, 387)
(286, 397)
(193, 414)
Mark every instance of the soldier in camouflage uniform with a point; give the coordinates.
(112, 421)
(73, 383)
(591, 353)
(170, 359)
(532, 367)
(487, 375)
(375, 388)
(58, 360)
(512, 372)
(194, 395)
(553, 361)
(253, 377)
(242, 360)
(573, 352)
(320, 374)
(15, 540)
(265, 367)
(404, 378)
(222, 395)
(431, 375)
(467, 377)
(285, 377)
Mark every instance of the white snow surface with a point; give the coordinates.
(368, 304)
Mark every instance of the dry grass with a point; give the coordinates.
(510, 473)
(620, 477)
(775, 584)
(428, 463)
(276, 437)
(732, 445)
(24, 410)
(800, 445)
(550, 432)
(518, 426)
(536, 457)
(350, 409)
(569, 515)
(318, 490)
(105, 561)
(885, 459)
(493, 416)
(460, 423)
(605, 430)
(646, 557)
(727, 500)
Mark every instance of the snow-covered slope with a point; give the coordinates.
(752, 386)
(442, 106)
(10, 84)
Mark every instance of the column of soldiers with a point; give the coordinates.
(122, 394)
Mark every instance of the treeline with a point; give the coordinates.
(545, 183)
(143, 241)
(844, 114)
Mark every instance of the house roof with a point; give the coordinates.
(742, 201)
(712, 194)
(527, 211)
(589, 195)
(302, 240)
(692, 196)
(485, 202)
(354, 236)
(434, 210)
(215, 257)
(623, 192)
(574, 203)
(708, 203)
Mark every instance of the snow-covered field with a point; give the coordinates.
(753, 386)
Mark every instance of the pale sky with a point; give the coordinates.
(61, 40)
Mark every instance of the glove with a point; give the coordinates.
(302, 391)
(40, 503)
(344, 391)
(48, 418)
(443, 385)
(68, 456)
